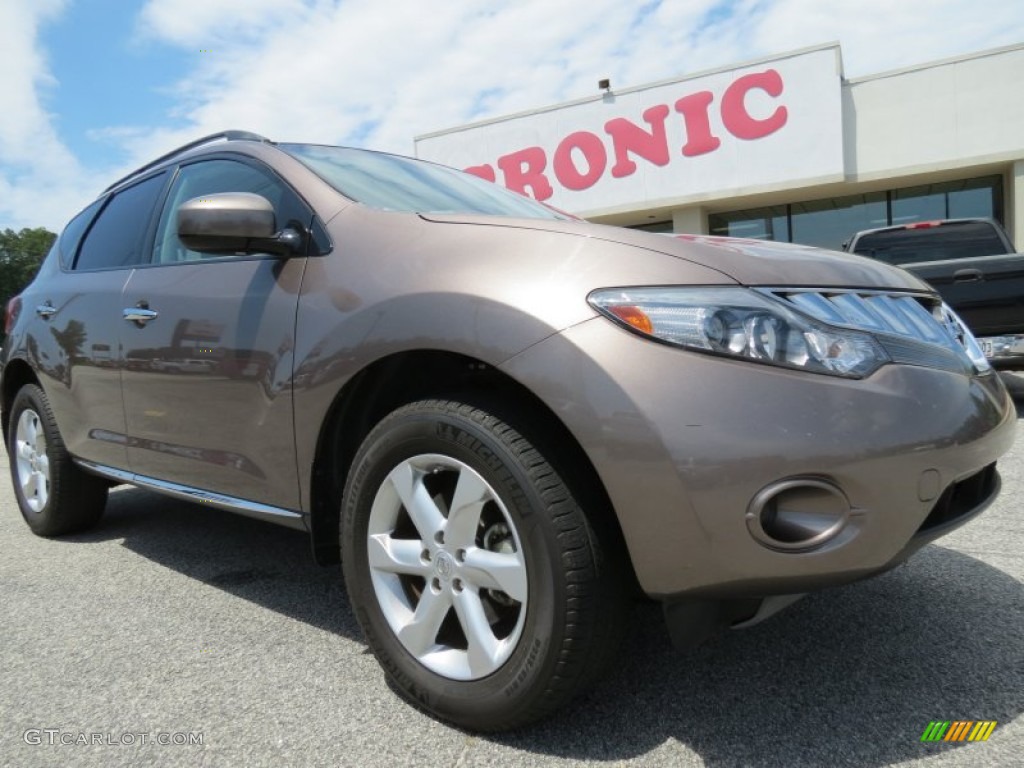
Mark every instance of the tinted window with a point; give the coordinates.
(395, 183)
(827, 223)
(947, 241)
(833, 221)
(214, 176)
(116, 238)
(73, 232)
(770, 223)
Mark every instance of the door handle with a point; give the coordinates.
(968, 276)
(46, 310)
(140, 315)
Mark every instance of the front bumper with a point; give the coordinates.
(683, 442)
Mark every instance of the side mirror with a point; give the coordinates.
(234, 222)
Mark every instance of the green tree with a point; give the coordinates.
(71, 339)
(21, 253)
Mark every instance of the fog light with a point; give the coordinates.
(797, 514)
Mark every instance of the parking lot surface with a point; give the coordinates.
(173, 624)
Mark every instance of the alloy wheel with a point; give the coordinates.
(32, 462)
(447, 567)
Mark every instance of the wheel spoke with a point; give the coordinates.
(30, 426)
(483, 647)
(24, 450)
(471, 493)
(420, 634)
(396, 555)
(497, 570)
(42, 488)
(408, 483)
(30, 485)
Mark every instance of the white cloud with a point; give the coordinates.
(379, 72)
(878, 35)
(202, 24)
(41, 182)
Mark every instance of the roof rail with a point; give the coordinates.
(229, 135)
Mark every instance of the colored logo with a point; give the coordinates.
(958, 730)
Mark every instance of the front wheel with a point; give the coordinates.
(54, 495)
(477, 578)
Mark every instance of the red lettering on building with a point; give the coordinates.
(592, 150)
(581, 158)
(627, 137)
(484, 171)
(737, 119)
(525, 168)
(694, 109)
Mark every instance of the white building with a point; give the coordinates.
(783, 148)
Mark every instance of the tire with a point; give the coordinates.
(495, 618)
(54, 495)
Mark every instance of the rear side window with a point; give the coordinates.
(962, 240)
(72, 234)
(117, 237)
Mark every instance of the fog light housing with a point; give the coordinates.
(797, 514)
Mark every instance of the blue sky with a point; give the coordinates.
(93, 88)
(105, 75)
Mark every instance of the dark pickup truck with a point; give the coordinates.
(973, 265)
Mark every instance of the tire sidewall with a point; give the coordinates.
(524, 675)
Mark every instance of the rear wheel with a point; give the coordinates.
(55, 496)
(475, 574)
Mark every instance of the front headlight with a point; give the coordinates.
(739, 323)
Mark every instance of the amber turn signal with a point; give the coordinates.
(635, 316)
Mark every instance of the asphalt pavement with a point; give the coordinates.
(175, 634)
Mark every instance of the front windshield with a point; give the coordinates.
(395, 183)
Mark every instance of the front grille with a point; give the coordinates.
(914, 329)
(894, 313)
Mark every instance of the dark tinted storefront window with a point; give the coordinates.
(829, 223)
(949, 200)
(770, 223)
(654, 226)
(917, 204)
(972, 201)
(821, 222)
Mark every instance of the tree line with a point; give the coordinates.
(21, 253)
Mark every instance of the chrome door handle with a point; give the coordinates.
(46, 310)
(139, 315)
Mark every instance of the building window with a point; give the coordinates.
(654, 226)
(829, 223)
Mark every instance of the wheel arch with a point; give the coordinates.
(17, 373)
(405, 377)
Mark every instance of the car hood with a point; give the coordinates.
(749, 262)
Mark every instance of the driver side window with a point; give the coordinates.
(210, 177)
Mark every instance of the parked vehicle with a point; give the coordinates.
(973, 266)
(502, 420)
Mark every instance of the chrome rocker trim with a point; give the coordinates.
(286, 517)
